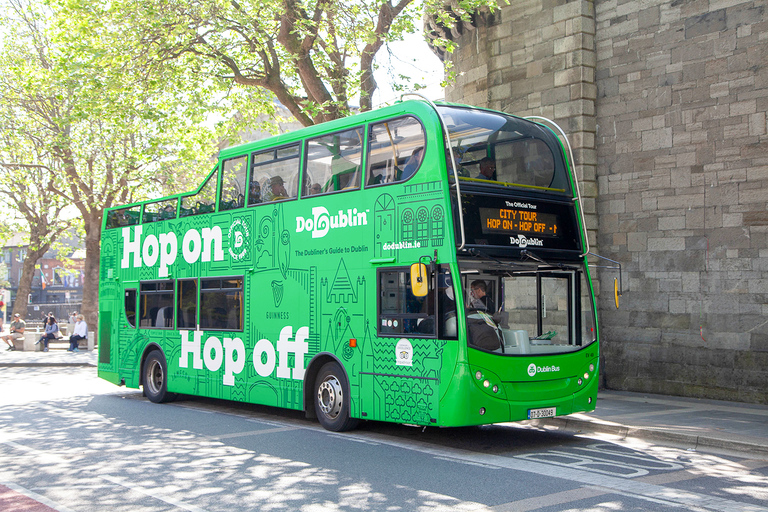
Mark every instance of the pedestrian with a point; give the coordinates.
(16, 331)
(73, 317)
(51, 331)
(81, 333)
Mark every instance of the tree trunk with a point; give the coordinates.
(90, 307)
(25, 281)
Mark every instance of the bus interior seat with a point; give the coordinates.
(150, 320)
(450, 326)
(516, 341)
(233, 319)
(164, 317)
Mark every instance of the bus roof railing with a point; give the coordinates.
(453, 163)
(572, 164)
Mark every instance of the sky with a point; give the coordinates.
(411, 57)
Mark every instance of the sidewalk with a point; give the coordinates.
(687, 422)
(54, 357)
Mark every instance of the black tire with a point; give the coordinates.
(155, 378)
(332, 399)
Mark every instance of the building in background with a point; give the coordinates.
(57, 284)
(665, 105)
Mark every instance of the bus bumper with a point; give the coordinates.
(474, 401)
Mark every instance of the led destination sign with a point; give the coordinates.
(519, 223)
(513, 221)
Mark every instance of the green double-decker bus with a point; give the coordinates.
(421, 264)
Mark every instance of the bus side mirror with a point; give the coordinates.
(419, 281)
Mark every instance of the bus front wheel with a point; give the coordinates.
(332, 399)
(155, 377)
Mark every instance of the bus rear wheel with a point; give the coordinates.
(332, 399)
(155, 378)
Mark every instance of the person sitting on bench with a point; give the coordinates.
(81, 333)
(17, 331)
(51, 332)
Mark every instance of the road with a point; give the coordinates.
(71, 442)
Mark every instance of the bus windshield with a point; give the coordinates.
(544, 310)
(495, 149)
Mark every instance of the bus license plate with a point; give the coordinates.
(546, 412)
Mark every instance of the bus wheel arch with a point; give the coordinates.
(327, 395)
(153, 375)
(313, 368)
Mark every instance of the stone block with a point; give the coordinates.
(657, 139)
(30, 338)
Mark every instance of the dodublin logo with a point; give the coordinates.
(238, 235)
(523, 242)
(531, 369)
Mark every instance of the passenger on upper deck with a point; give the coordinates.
(412, 164)
(487, 169)
(254, 193)
(276, 189)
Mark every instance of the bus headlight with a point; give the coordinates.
(486, 383)
(479, 375)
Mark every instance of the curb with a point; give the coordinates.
(689, 440)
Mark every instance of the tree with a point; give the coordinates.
(26, 187)
(314, 56)
(110, 128)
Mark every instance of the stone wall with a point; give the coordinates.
(537, 58)
(666, 102)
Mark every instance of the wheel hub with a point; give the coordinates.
(155, 377)
(329, 396)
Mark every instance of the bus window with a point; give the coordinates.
(334, 162)
(186, 310)
(446, 297)
(233, 183)
(130, 307)
(518, 150)
(202, 202)
(156, 305)
(221, 304)
(274, 175)
(527, 162)
(123, 217)
(395, 150)
(400, 312)
(159, 210)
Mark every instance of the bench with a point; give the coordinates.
(30, 337)
(28, 343)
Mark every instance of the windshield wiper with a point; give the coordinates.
(525, 253)
(479, 254)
